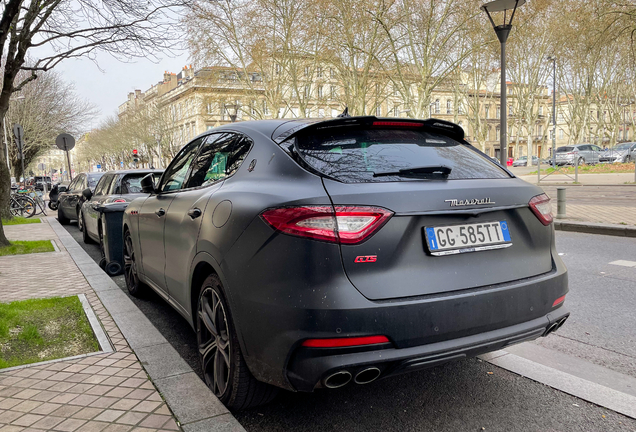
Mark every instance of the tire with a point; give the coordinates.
(63, 220)
(231, 381)
(581, 162)
(23, 206)
(52, 205)
(87, 239)
(135, 287)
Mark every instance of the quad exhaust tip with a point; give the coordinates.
(367, 375)
(554, 327)
(338, 379)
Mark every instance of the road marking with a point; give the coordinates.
(624, 263)
(581, 388)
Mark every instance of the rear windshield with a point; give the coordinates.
(564, 149)
(372, 155)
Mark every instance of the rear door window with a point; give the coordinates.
(365, 155)
(564, 149)
(220, 156)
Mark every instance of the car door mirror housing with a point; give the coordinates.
(87, 193)
(148, 184)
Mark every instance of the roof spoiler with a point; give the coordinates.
(442, 127)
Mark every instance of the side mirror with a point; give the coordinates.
(87, 193)
(147, 184)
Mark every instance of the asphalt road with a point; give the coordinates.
(468, 395)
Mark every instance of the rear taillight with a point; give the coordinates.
(541, 207)
(346, 225)
(119, 200)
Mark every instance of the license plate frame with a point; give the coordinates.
(430, 235)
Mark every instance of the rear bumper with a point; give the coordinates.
(310, 366)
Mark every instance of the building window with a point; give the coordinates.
(334, 112)
(210, 108)
(561, 134)
(332, 73)
(436, 106)
(511, 111)
(319, 72)
(560, 117)
(378, 111)
(332, 92)
(307, 71)
(396, 111)
(498, 133)
(487, 111)
(320, 92)
(540, 110)
(265, 108)
(307, 113)
(396, 91)
(307, 91)
(498, 112)
(539, 130)
(253, 107)
(449, 106)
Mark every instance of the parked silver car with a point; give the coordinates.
(581, 153)
(621, 153)
(523, 161)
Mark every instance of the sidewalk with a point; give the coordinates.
(109, 392)
(584, 179)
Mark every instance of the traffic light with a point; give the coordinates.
(135, 156)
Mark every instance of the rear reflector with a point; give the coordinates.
(558, 301)
(397, 124)
(541, 207)
(345, 342)
(345, 225)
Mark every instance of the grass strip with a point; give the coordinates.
(43, 329)
(21, 247)
(19, 220)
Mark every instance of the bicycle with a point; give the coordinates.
(22, 205)
(36, 197)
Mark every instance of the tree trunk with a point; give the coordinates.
(5, 191)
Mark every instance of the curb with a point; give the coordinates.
(191, 401)
(595, 228)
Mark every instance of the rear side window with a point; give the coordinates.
(564, 149)
(364, 155)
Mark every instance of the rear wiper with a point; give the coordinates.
(425, 171)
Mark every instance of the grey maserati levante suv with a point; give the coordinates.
(319, 253)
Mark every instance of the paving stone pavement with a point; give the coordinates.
(601, 214)
(100, 392)
(41, 231)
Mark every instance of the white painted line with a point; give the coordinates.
(624, 263)
(575, 386)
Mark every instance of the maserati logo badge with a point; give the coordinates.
(468, 202)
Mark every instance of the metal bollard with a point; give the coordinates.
(560, 203)
(538, 170)
(576, 170)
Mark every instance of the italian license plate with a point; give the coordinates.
(455, 239)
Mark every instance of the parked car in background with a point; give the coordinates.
(523, 161)
(581, 153)
(620, 153)
(70, 201)
(114, 186)
(317, 253)
(55, 192)
(40, 181)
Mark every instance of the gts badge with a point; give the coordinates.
(366, 259)
(134, 212)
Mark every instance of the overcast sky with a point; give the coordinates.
(108, 88)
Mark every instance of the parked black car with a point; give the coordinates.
(70, 201)
(114, 186)
(310, 254)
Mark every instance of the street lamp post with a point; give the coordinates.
(234, 107)
(554, 127)
(502, 32)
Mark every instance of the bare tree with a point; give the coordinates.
(71, 29)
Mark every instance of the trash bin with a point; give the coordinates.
(112, 216)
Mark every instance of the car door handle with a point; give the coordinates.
(194, 213)
(160, 212)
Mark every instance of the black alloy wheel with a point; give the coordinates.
(224, 368)
(134, 285)
(85, 237)
(214, 341)
(80, 221)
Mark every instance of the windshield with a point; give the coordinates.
(132, 182)
(355, 155)
(564, 149)
(622, 147)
